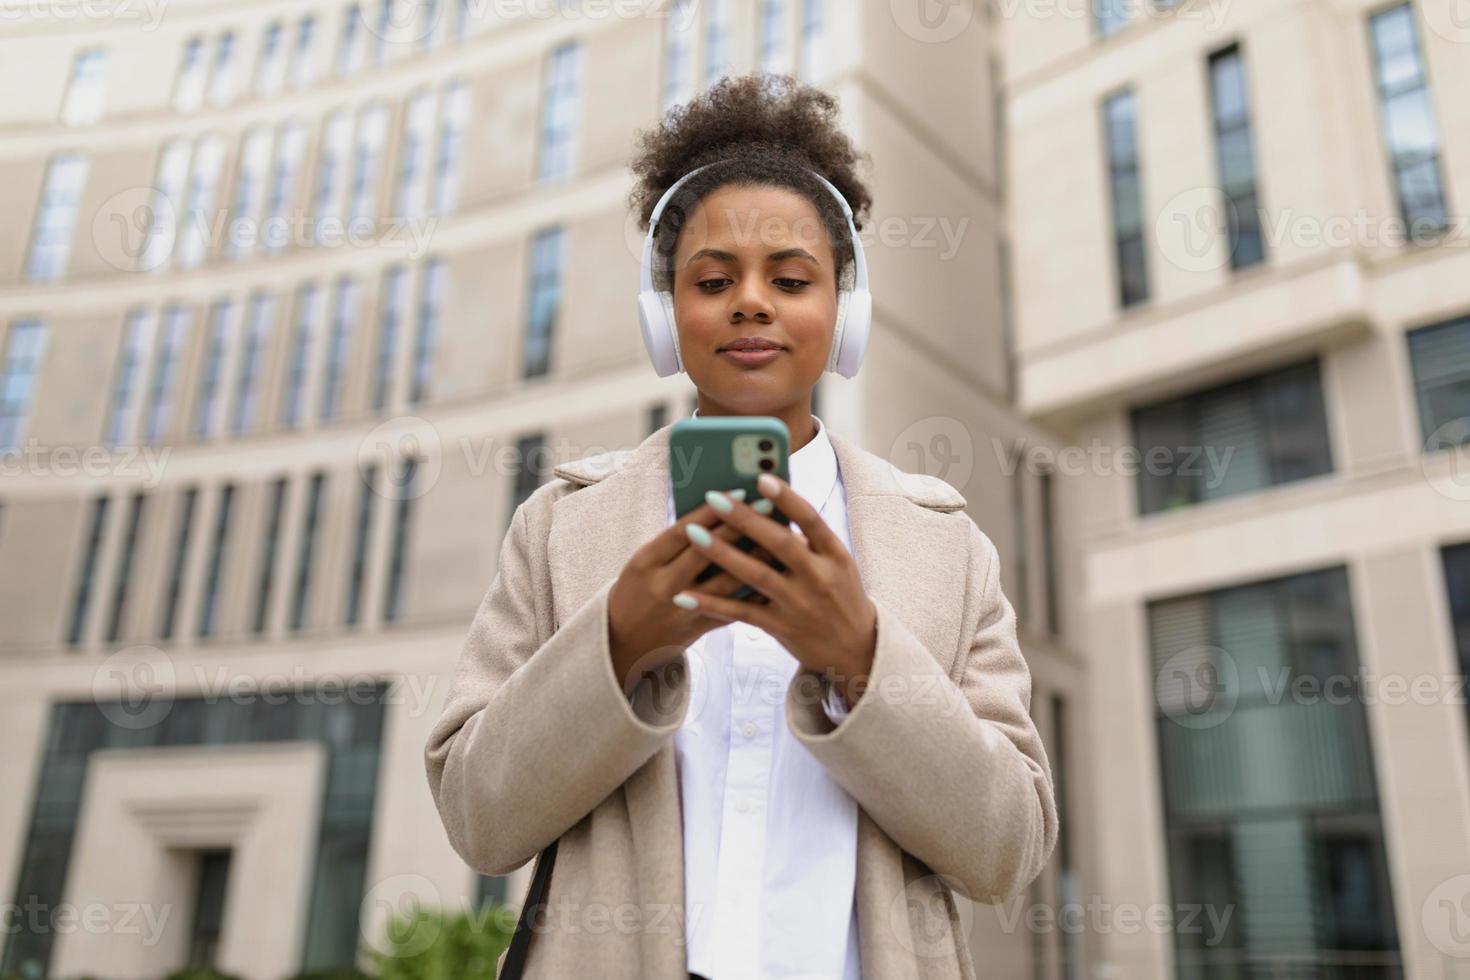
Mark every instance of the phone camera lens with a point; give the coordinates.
(767, 445)
(767, 464)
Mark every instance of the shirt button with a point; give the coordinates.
(743, 806)
(748, 729)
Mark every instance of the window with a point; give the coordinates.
(56, 216)
(352, 46)
(403, 511)
(304, 557)
(125, 568)
(390, 320)
(223, 82)
(381, 32)
(264, 586)
(1111, 16)
(137, 344)
(678, 81)
(210, 610)
(1409, 126)
(1047, 485)
(303, 67)
(462, 16)
(372, 126)
(334, 372)
(773, 56)
(1020, 587)
(1289, 837)
(1123, 179)
(247, 382)
(87, 91)
(428, 27)
(165, 373)
(255, 161)
(358, 573)
(199, 201)
(454, 117)
(275, 232)
(25, 348)
(180, 561)
(211, 385)
(413, 159)
(717, 29)
(658, 417)
(193, 73)
(270, 69)
(527, 476)
(545, 295)
(309, 310)
(811, 55)
(166, 205)
(327, 202)
(1439, 356)
(1232, 439)
(1231, 106)
(560, 108)
(83, 596)
(431, 306)
(1457, 584)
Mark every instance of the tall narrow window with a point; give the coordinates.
(773, 57)
(1048, 492)
(303, 65)
(372, 126)
(275, 231)
(428, 28)
(717, 29)
(413, 156)
(1439, 357)
(82, 599)
(178, 563)
(1019, 590)
(382, 30)
(1110, 16)
(310, 302)
(431, 307)
(252, 354)
(390, 324)
(527, 478)
(1119, 120)
(463, 14)
(25, 348)
(265, 584)
(658, 417)
(454, 116)
(209, 611)
(270, 68)
(250, 186)
(811, 63)
(1409, 125)
(193, 73)
(545, 297)
(125, 568)
(86, 93)
(352, 45)
(678, 81)
(223, 80)
(207, 412)
(560, 112)
(56, 216)
(1235, 157)
(334, 371)
(307, 553)
(336, 147)
(126, 391)
(199, 201)
(1456, 560)
(398, 556)
(166, 205)
(360, 543)
(169, 353)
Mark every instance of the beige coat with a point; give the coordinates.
(537, 739)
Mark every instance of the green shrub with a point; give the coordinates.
(443, 944)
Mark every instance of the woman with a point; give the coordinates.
(791, 786)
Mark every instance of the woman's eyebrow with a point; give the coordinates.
(785, 253)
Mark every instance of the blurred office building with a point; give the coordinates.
(301, 300)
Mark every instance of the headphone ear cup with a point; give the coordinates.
(656, 319)
(857, 323)
(673, 328)
(839, 331)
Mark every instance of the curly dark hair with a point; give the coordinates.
(759, 130)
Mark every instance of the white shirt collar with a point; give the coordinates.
(813, 466)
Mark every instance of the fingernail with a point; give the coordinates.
(686, 601)
(768, 484)
(738, 494)
(719, 502)
(697, 534)
(762, 506)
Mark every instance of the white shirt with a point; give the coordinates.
(770, 839)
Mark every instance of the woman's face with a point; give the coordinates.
(754, 262)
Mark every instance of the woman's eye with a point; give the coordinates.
(797, 283)
(710, 285)
(707, 283)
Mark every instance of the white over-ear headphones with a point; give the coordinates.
(854, 301)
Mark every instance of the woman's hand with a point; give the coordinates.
(645, 629)
(817, 608)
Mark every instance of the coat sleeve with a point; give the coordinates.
(951, 766)
(534, 735)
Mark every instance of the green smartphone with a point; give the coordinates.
(727, 452)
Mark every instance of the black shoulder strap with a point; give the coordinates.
(515, 959)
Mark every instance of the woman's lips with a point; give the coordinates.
(753, 358)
